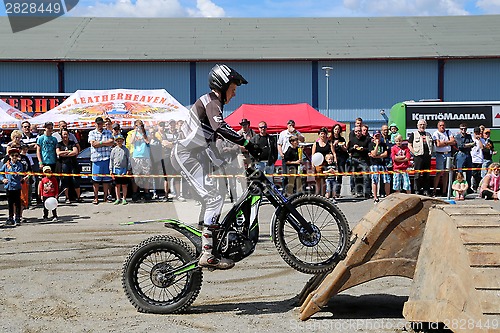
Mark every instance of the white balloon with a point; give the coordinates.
(51, 203)
(317, 159)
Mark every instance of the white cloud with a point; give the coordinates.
(407, 7)
(206, 8)
(489, 6)
(147, 8)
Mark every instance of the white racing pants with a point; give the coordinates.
(194, 167)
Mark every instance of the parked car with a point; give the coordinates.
(85, 167)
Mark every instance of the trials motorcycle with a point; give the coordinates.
(161, 274)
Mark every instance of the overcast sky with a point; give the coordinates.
(280, 8)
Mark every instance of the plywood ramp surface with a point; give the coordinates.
(457, 276)
(386, 242)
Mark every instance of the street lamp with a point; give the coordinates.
(327, 70)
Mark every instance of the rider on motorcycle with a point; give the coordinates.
(192, 155)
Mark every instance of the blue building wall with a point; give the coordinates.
(268, 82)
(365, 87)
(472, 80)
(356, 88)
(29, 77)
(174, 77)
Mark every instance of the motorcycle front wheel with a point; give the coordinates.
(319, 251)
(149, 281)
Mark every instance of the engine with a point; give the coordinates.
(237, 246)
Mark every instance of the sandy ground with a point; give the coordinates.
(66, 277)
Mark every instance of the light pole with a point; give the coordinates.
(327, 70)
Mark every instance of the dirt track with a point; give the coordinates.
(66, 277)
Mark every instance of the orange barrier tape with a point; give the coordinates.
(353, 173)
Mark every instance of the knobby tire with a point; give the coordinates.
(333, 234)
(147, 283)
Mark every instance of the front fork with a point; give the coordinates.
(280, 202)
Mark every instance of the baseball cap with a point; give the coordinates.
(99, 120)
(244, 121)
(376, 132)
(47, 168)
(115, 126)
(13, 151)
(291, 122)
(47, 124)
(119, 137)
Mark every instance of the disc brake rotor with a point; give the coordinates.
(160, 276)
(310, 239)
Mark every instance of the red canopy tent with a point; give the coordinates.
(307, 119)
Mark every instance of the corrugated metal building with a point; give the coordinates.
(376, 61)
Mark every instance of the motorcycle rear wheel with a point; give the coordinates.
(147, 279)
(320, 251)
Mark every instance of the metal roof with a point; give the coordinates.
(208, 39)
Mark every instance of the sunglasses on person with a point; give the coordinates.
(14, 155)
(463, 128)
(262, 126)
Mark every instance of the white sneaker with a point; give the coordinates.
(181, 199)
(154, 197)
(55, 219)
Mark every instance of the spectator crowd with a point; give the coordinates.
(145, 154)
(378, 162)
(381, 160)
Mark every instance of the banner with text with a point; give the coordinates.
(121, 105)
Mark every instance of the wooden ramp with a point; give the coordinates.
(457, 278)
(385, 242)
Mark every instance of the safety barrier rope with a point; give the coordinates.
(334, 174)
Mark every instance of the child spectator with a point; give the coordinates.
(119, 165)
(48, 188)
(331, 182)
(393, 128)
(490, 184)
(460, 187)
(12, 184)
(400, 162)
(25, 180)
